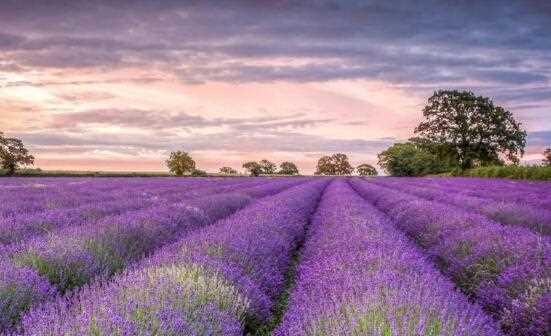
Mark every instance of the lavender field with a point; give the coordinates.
(275, 256)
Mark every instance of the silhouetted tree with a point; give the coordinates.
(336, 164)
(547, 157)
(13, 154)
(366, 170)
(253, 167)
(228, 171)
(267, 167)
(180, 163)
(199, 173)
(288, 168)
(472, 128)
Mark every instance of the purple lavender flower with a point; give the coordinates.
(214, 282)
(358, 275)
(505, 268)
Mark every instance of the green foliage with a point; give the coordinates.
(13, 154)
(267, 167)
(199, 173)
(228, 171)
(408, 159)
(336, 164)
(510, 171)
(471, 128)
(288, 168)
(547, 157)
(366, 170)
(180, 163)
(253, 167)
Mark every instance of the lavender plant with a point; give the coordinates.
(218, 281)
(507, 269)
(358, 275)
(75, 256)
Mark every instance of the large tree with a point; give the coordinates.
(288, 168)
(408, 159)
(366, 169)
(253, 167)
(180, 163)
(336, 164)
(547, 157)
(268, 167)
(228, 171)
(13, 154)
(472, 128)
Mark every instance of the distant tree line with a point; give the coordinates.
(460, 131)
(338, 164)
(266, 167)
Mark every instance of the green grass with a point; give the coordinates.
(512, 172)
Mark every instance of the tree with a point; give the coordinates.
(336, 164)
(13, 153)
(199, 173)
(288, 168)
(228, 171)
(366, 170)
(253, 167)
(268, 167)
(474, 129)
(408, 159)
(547, 157)
(180, 163)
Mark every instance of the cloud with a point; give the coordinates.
(275, 141)
(497, 49)
(423, 42)
(165, 120)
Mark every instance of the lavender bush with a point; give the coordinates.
(505, 212)
(74, 256)
(507, 269)
(358, 275)
(217, 281)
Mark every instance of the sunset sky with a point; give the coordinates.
(116, 85)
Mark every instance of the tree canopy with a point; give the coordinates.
(366, 170)
(472, 128)
(336, 164)
(408, 159)
(13, 154)
(180, 163)
(253, 167)
(288, 168)
(228, 171)
(199, 173)
(547, 157)
(267, 167)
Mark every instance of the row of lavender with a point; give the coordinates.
(33, 197)
(537, 194)
(43, 267)
(507, 269)
(359, 275)
(221, 280)
(89, 211)
(505, 211)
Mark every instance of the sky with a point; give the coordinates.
(117, 85)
